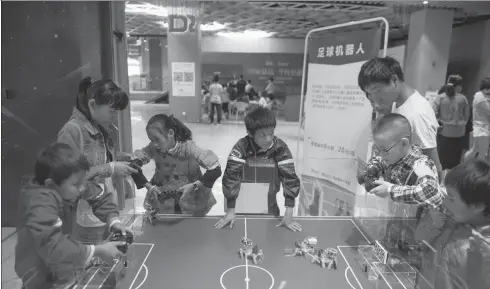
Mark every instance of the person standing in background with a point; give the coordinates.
(216, 92)
(481, 122)
(225, 101)
(240, 87)
(453, 112)
(270, 89)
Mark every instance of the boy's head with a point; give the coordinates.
(381, 78)
(468, 190)
(391, 136)
(260, 124)
(63, 168)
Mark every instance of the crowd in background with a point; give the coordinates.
(235, 97)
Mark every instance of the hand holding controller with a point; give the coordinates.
(128, 238)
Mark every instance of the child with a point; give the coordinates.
(46, 256)
(178, 160)
(410, 177)
(260, 143)
(465, 244)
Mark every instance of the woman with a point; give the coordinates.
(98, 103)
(481, 122)
(452, 111)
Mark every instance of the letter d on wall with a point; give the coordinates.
(177, 23)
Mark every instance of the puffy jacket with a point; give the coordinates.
(246, 150)
(46, 256)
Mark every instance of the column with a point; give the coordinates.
(484, 70)
(184, 61)
(429, 42)
(156, 63)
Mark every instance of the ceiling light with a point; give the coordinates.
(163, 23)
(246, 34)
(425, 2)
(215, 26)
(146, 8)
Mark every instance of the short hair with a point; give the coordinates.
(393, 123)
(58, 162)
(485, 83)
(471, 179)
(259, 118)
(271, 78)
(379, 70)
(216, 78)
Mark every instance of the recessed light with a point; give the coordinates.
(425, 2)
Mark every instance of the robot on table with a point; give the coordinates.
(326, 258)
(249, 250)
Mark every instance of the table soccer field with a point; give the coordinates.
(188, 253)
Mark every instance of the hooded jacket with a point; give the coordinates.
(46, 256)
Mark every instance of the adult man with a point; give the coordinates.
(240, 86)
(270, 89)
(383, 82)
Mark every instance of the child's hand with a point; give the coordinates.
(122, 169)
(186, 189)
(109, 251)
(228, 218)
(382, 189)
(121, 229)
(289, 222)
(154, 192)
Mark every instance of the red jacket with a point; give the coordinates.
(46, 255)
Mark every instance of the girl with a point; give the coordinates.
(453, 112)
(178, 160)
(87, 131)
(481, 122)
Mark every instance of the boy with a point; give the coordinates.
(46, 256)
(409, 176)
(261, 143)
(383, 81)
(465, 242)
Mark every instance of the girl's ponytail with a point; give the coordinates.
(182, 132)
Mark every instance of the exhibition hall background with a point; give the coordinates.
(41, 69)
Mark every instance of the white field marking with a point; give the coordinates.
(252, 266)
(144, 279)
(141, 267)
(348, 266)
(347, 278)
(144, 244)
(91, 278)
(282, 285)
(252, 217)
(360, 231)
(134, 222)
(247, 279)
(107, 275)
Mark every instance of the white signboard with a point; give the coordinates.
(183, 79)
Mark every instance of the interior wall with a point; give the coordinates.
(41, 70)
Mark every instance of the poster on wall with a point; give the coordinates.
(337, 122)
(183, 79)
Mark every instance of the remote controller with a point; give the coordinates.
(119, 237)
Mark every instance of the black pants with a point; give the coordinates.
(450, 150)
(215, 107)
(224, 105)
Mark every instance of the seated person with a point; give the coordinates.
(46, 256)
(409, 176)
(465, 242)
(172, 144)
(261, 143)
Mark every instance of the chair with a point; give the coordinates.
(241, 108)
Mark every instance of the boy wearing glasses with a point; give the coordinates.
(409, 176)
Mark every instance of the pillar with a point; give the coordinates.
(429, 42)
(184, 61)
(156, 63)
(484, 70)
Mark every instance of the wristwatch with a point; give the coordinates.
(195, 186)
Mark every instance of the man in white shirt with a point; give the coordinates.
(383, 82)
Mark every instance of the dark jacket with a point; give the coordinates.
(245, 150)
(46, 255)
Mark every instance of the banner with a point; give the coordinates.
(337, 124)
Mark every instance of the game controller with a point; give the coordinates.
(128, 238)
(136, 163)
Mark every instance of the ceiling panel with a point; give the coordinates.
(293, 19)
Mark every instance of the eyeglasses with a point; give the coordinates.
(387, 151)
